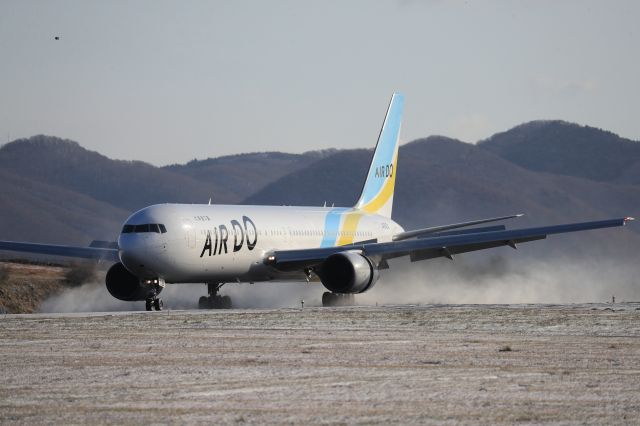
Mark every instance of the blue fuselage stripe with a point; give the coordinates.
(331, 227)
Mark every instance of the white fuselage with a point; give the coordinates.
(225, 243)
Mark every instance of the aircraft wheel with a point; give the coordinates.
(158, 304)
(337, 299)
(328, 299)
(217, 302)
(225, 302)
(214, 302)
(148, 305)
(203, 302)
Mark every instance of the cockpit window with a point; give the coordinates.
(141, 228)
(147, 227)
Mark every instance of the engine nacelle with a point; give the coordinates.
(348, 272)
(123, 285)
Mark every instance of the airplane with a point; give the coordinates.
(342, 247)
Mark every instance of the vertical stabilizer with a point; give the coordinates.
(377, 193)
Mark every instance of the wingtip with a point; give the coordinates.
(519, 215)
(628, 219)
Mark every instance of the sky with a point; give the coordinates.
(170, 81)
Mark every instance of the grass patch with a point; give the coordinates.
(80, 273)
(4, 273)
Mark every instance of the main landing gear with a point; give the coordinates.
(337, 299)
(214, 300)
(154, 303)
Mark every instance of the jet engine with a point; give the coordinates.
(123, 285)
(348, 272)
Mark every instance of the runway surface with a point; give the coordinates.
(475, 364)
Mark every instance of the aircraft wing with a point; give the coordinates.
(429, 248)
(97, 253)
(434, 229)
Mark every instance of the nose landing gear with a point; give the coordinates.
(154, 303)
(214, 300)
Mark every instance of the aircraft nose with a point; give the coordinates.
(133, 253)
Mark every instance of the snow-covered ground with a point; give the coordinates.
(447, 364)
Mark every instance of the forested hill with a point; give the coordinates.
(128, 185)
(244, 174)
(569, 149)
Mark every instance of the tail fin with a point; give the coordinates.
(377, 193)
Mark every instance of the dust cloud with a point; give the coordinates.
(466, 280)
(503, 280)
(90, 297)
(94, 297)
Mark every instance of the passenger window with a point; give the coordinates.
(162, 229)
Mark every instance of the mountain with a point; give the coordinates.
(569, 149)
(128, 185)
(452, 178)
(244, 174)
(336, 179)
(36, 211)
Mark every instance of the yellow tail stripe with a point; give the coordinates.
(385, 194)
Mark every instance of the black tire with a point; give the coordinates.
(225, 302)
(158, 304)
(337, 299)
(328, 299)
(203, 302)
(218, 302)
(214, 302)
(148, 305)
